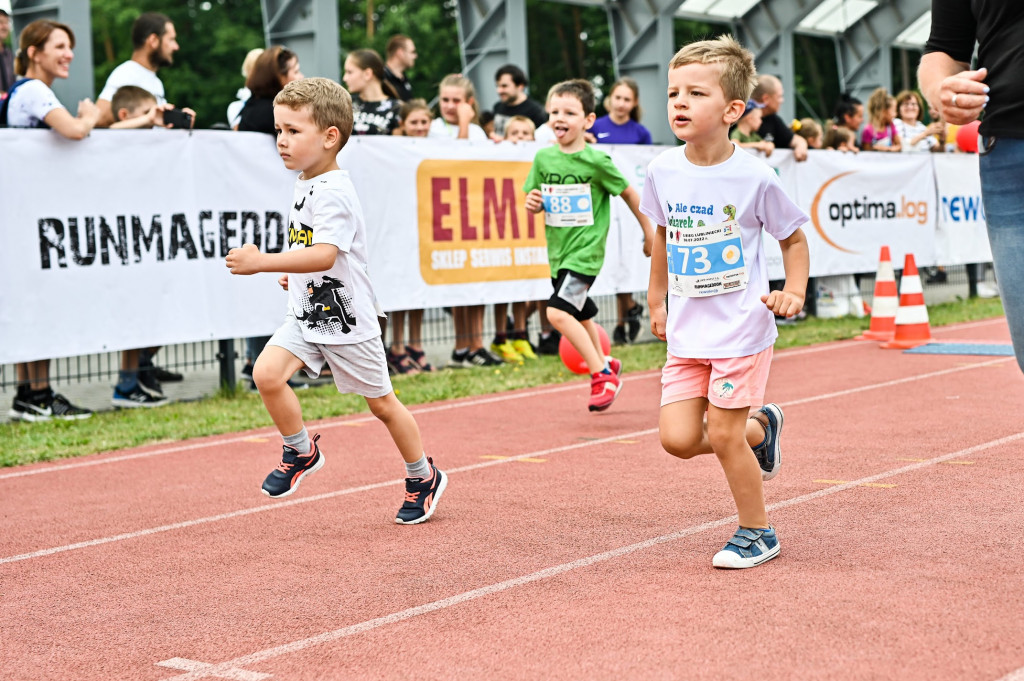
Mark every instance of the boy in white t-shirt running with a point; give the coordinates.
(710, 201)
(332, 312)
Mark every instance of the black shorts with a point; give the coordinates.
(570, 295)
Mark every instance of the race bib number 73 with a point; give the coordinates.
(706, 261)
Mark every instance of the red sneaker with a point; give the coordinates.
(603, 390)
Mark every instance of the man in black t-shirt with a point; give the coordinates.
(510, 81)
(773, 129)
(996, 89)
(401, 56)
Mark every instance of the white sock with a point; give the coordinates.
(419, 469)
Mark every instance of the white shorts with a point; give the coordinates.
(358, 368)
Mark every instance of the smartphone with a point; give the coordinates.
(178, 118)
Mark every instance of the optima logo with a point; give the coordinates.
(843, 212)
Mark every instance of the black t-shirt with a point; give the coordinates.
(374, 118)
(529, 108)
(258, 116)
(400, 83)
(773, 129)
(998, 26)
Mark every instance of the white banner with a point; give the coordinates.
(960, 232)
(118, 241)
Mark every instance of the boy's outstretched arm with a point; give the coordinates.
(249, 260)
(632, 199)
(657, 288)
(797, 262)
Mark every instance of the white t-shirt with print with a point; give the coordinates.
(133, 73)
(337, 306)
(439, 127)
(679, 195)
(31, 102)
(908, 132)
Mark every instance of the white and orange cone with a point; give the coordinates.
(912, 328)
(886, 301)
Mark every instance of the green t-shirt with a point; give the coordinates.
(742, 138)
(579, 248)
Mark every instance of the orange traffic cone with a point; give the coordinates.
(885, 303)
(912, 327)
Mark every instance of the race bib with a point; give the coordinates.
(705, 261)
(567, 205)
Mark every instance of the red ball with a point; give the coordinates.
(572, 359)
(967, 137)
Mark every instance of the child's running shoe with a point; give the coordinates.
(523, 347)
(135, 398)
(285, 479)
(615, 365)
(769, 452)
(481, 358)
(421, 496)
(603, 389)
(749, 547)
(506, 351)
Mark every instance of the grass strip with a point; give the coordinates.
(231, 411)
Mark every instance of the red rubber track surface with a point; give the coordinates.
(567, 546)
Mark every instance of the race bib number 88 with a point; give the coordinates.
(567, 205)
(706, 261)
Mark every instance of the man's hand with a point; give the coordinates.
(781, 303)
(534, 201)
(244, 260)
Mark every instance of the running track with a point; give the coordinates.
(567, 546)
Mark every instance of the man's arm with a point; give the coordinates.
(799, 146)
(942, 77)
(249, 260)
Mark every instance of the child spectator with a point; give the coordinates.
(809, 129)
(622, 126)
(576, 219)
(375, 100)
(880, 133)
(44, 55)
(916, 135)
(745, 133)
(711, 202)
(519, 129)
(514, 345)
(458, 121)
(332, 313)
(841, 139)
(486, 120)
(414, 121)
(243, 94)
(849, 114)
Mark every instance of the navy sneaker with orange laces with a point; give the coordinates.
(285, 479)
(421, 496)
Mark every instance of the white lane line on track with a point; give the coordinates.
(501, 397)
(395, 617)
(1014, 676)
(485, 464)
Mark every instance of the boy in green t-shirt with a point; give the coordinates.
(572, 183)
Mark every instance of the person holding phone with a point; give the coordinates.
(154, 43)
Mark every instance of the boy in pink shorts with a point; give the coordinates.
(710, 201)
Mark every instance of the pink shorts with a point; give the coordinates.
(728, 382)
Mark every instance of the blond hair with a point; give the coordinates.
(329, 103)
(878, 102)
(807, 128)
(521, 119)
(468, 91)
(736, 64)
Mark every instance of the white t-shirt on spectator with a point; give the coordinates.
(133, 73)
(31, 102)
(908, 132)
(337, 306)
(676, 193)
(439, 127)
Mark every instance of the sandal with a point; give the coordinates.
(401, 364)
(419, 358)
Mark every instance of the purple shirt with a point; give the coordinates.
(630, 132)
